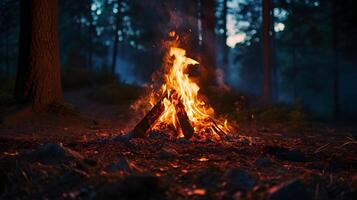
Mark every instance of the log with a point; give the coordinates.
(183, 120)
(141, 129)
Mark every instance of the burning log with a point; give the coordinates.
(184, 121)
(141, 129)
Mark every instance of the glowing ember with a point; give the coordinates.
(203, 159)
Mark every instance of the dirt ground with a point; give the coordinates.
(87, 157)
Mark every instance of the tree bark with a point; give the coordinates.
(38, 80)
(266, 47)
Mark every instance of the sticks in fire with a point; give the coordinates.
(143, 127)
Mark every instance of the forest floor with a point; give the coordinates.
(85, 158)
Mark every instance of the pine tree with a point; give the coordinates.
(38, 78)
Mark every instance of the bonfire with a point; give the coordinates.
(178, 104)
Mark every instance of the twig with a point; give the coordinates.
(351, 141)
(321, 148)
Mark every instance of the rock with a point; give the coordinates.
(292, 190)
(123, 138)
(132, 188)
(263, 162)
(209, 179)
(281, 153)
(123, 165)
(73, 177)
(239, 179)
(51, 153)
(168, 152)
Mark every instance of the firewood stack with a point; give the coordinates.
(142, 129)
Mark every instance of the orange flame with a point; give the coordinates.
(179, 87)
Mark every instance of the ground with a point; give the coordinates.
(87, 157)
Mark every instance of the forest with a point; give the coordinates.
(178, 99)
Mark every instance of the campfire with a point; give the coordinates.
(178, 106)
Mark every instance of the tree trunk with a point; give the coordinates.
(7, 60)
(336, 63)
(90, 45)
(116, 40)
(274, 65)
(266, 46)
(294, 53)
(3, 56)
(38, 78)
(295, 73)
(208, 47)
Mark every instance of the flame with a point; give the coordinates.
(178, 87)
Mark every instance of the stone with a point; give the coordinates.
(123, 138)
(123, 165)
(51, 153)
(72, 177)
(263, 162)
(239, 179)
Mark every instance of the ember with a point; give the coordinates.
(179, 104)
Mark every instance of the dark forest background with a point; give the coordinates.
(311, 46)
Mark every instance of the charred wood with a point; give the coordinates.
(184, 121)
(142, 128)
